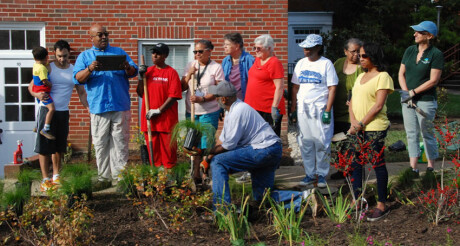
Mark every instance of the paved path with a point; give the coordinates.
(287, 177)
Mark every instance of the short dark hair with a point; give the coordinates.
(376, 55)
(61, 44)
(39, 53)
(208, 44)
(235, 37)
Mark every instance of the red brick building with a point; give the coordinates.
(133, 26)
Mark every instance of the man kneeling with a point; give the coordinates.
(248, 143)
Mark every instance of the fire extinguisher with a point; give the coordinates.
(18, 153)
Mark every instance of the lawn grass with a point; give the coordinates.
(451, 108)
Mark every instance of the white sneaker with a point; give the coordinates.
(245, 178)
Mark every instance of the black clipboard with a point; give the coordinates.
(110, 62)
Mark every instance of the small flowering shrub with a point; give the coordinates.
(442, 202)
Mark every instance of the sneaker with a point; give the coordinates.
(337, 175)
(430, 169)
(46, 185)
(245, 178)
(102, 185)
(307, 181)
(321, 182)
(377, 214)
(415, 173)
(47, 134)
(56, 181)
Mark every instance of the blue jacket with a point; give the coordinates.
(246, 61)
(107, 90)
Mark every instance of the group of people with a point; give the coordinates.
(348, 96)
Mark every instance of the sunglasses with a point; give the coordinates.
(365, 56)
(100, 34)
(199, 51)
(257, 48)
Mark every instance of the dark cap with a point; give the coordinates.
(223, 89)
(160, 48)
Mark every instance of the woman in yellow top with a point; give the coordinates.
(369, 120)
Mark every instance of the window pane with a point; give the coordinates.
(12, 113)
(33, 39)
(11, 94)
(28, 113)
(4, 39)
(17, 39)
(26, 75)
(25, 95)
(11, 75)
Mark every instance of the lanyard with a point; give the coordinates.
(198, 77)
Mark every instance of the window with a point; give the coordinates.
(301, 33)
(180, 53)
(19, 104)
(21, 38)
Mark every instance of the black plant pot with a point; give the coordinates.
(192, 139)
(144, 154)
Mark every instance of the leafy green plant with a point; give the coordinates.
(180, 131)
(179, 171)
(26, 176)
(229, 219)
(16, 198)
(338, 209)
(2, 185)
(76, 180)
(429, 180)
(285, 221)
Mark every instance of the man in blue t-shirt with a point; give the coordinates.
(109, 104)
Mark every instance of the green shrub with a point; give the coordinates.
(26, 176)
(16, 198)
(76, 179)
(179, 171)
(235, 222)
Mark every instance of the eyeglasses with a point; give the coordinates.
(257, 48)
(100, 34)
(353, 51)
(365, 56)
(199, 51)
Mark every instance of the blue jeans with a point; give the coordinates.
(415, 124)
(210, 118)
(261, 163)
(377, 139)
(285, 196)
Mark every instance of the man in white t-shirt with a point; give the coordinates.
(61, 91)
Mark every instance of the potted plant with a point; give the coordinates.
(139, 139)
(16, 198)
(187, 134)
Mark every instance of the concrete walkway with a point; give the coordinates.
(286, 177)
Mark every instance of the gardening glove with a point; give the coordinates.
(142, 70)
(152, 112)
(276, 115)
(326, 118)
(204, 165)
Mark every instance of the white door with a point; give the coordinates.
(17, 109)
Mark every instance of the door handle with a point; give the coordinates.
(1, 131)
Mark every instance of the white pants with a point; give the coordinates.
(110, 132)
(314, 140)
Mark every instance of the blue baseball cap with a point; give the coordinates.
(426, 26)
(311, 41)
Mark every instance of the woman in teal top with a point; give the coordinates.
(420, 71)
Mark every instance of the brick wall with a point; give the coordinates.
(129, 21)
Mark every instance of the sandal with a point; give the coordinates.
(378, 214)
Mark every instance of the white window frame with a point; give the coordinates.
(169, 42)
(26, 26)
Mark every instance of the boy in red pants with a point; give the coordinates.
(164, 89)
